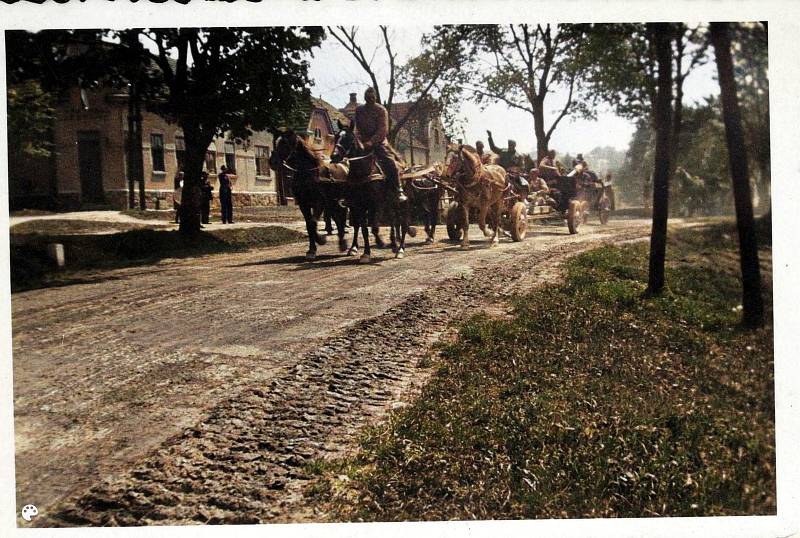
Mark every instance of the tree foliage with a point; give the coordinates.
(520, 64)
(227, 81)
(432, 79)
(30, 116)
(750, 67)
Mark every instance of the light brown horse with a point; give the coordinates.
(477, 185)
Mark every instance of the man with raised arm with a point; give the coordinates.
(507, 158)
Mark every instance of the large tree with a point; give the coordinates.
(752, 302)
(433, 78)
(659, 36)
(520, 64)
(227, 81)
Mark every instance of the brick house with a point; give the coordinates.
(421, 140)
(88, 168)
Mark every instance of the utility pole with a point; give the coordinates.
(131, 149)
(137, 120)
(135, 166)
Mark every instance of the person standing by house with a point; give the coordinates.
(207, 190)
(225, 194)
(177, 194)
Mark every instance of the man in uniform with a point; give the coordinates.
(485, 158)
(580, 160)
(507, 158)
(547, 166)
(372, 126)
(540, 192)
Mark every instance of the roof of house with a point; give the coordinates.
(333, 112)
(302, 121)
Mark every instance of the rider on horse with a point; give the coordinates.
(371, 128)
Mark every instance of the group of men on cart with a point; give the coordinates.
(535, 181)
(371, 128)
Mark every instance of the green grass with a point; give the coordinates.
(591, 402)
(72, 226)
(266, 214)
(30, 267)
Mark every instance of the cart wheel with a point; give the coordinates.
(453, 225)
(574, 216)
(518, 221)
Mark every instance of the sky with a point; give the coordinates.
(336, 74)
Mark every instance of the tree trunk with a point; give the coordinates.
(192, 170)
(538, 126)
(677, 123)
(137, 141)
(752, 304)
(658, 236)
(131, 147)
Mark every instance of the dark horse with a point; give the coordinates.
(294, 158)
(424, 195)
(369, 195)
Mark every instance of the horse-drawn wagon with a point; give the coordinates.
(570, 197)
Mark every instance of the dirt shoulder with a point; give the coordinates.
(213, 422)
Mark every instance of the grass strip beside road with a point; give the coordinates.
(50, 227)
(31, 268)
(266, 214)
(590, 401)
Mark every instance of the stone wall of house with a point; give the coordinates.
(104, 114)
(163, 199)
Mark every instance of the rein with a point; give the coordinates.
(286, 165)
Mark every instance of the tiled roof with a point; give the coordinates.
(333, 112)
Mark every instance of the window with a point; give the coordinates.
(180, 151)
(157, 152)
(436, 136)
(317, 134)
(262, 161)
(230, 156)
(211, 161)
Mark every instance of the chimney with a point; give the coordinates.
(353, 98)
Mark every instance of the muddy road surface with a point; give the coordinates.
(195, 390)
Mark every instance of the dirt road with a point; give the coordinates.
(193, 391)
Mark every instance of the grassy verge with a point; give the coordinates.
(286, 213)
(72, 226)
(31, 268)
(590, 402)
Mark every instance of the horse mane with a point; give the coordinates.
(472, 156)
(308, 151)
